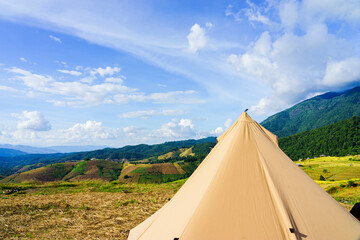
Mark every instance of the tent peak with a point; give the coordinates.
(244, 117)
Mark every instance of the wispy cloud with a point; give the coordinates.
(6, 88)
(105, 71)
(71, 72)
(151, 113)
(56, 39)
(109, 91)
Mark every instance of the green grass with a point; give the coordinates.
(160, 178)
(341, 174)
(141, 170)
(87, 186)
(79, 168)
(109, 170)
(331, 168)
(59, 170)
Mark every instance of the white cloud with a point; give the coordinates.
(62, 63)
(196, 38)
(209, 25)
(132, 130)
(85, 93)
(229, 12)
(339, 73)
(34, 121)
(172, 97)
(105, 71)
(150, 113)
(89, 130)
(56, 39)
(75, 93)
(34, 81)
(6, 88)
(347, 10)
(217, 131)
(23, 59)
(115, 80)
(288, 11)
(254, 14)
(74, 73)
(175, 97)
(184, 128)
(294, 65)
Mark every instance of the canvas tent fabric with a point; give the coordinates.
(247, 188)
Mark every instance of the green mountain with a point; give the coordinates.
(10, 165)
(337, 139)
(315, 112)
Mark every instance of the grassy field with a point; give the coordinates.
(339, 176)
(103, 210)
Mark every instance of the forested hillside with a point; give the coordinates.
(9, 165)
(338, 139)
(315, 112)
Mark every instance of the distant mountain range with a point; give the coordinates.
(47, 150)
(6, 152)
(315, 112)
(155, 163)
(12, 164)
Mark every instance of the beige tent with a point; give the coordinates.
(247, 188)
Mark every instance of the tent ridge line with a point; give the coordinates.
(276, 197)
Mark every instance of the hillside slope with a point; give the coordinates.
(338, 139)
(315, 112)
(10, 165)
(69, 171)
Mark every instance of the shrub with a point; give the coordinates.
(322, 178)
(351, 183)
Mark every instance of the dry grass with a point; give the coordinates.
(81, 215)
(163, 168)
(186, 152)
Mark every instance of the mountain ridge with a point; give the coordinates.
(315, 112)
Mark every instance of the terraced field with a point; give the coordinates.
(69, 171)
(151, 173)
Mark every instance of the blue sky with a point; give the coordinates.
(127, 72)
